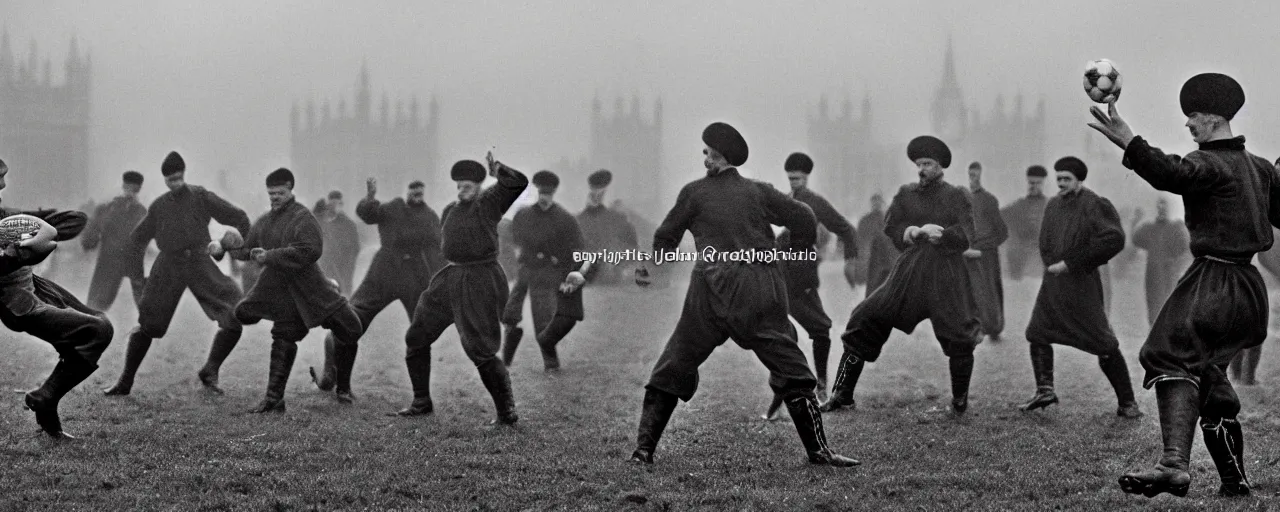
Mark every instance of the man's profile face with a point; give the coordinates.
(930, 170)
(279, 195)
(1067, 182)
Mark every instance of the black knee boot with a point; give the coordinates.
(1117, 372)
(821, 352)
(511, 340)
(550, 337)
(329, 372)
(1179, 403)
(1042, 366)
(808, 421)
(846, 380)
(223, 343)
(1225, 442)
(68, 374)
(134, 353)
(1250, 370)
(344, 362)
(658, 407)
(419, 365)
(496, 379)
(282, 356)
(961, 374)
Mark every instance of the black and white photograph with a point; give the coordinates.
(815, 255)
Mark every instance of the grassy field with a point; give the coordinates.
(170, 446)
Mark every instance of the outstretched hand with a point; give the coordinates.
(1111, 125)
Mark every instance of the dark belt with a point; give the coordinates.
(472, 263)
(187, 253)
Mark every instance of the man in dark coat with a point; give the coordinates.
(1081, 231)
(880, 250)
(803, 302)
(178, 220)
(409, 231)
(1165, 242)
(1220, 305)
(109, 228)
(744, 300)
(548, 236)
(1023, 218)
(931, 222)
(341, 242)
(605, 229)
(983, 257)
(291, 291)
(470, 291)
(39, 307)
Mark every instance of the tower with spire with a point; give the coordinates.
(341, 149)
(849, 164)
(44, 126)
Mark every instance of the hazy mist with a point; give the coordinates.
(216, 80)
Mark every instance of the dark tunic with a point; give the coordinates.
(1023, 218)
(880, 252)
(341, 248)
(41, 308)
(108, 230)
(1166, 245)
(606, 229)
(547, 240)
(1083, 230)
(408, 257)
(927, 281)
(803, 301)
(1232, 200)
(743, 301)
(179, 223)
(471, 290)
(291, 284)
(990, 232)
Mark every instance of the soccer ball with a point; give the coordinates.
(1102, 81)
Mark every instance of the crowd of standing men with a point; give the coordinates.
(932, 254)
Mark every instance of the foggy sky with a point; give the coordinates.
(216, 80)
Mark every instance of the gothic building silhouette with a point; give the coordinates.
(44, 126)
(340, 150)
(626, 144)
(850, 164)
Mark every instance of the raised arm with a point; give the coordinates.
(370, 210)
(69, 223)
(1170, 173)
(497, 199)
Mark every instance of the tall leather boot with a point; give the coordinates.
(223, 343)
(496, 379)
(511, 340)
(282, 356)
(1179, 403)
(1042, 366)
(846, 380)
(419, 366)
(344, 362)
(550, 337)
(656, 412)
(1225, 442)
(68, 374)
(821, 353)
(961, 375)
(329, 372)
(808, 421)
(1117, 373)
(134, 353)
